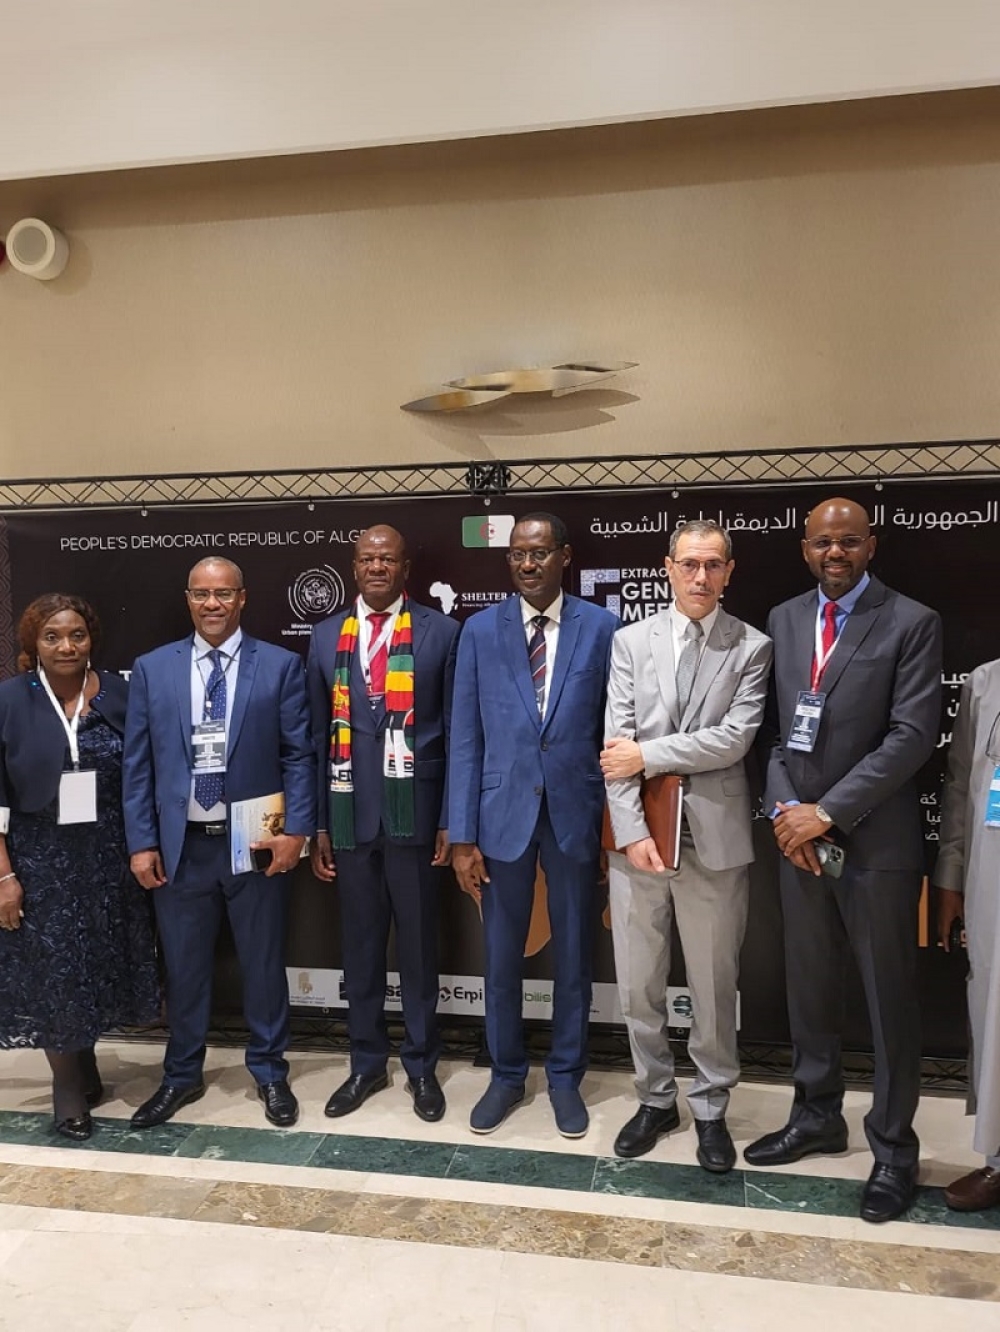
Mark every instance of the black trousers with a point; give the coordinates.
(874, 914)
(382, 882)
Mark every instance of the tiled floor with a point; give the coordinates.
(380, 1221)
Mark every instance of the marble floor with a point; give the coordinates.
(379, 1221)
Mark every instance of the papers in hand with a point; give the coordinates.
(256, 820)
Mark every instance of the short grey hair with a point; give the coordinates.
(701, 527)
(220, 559)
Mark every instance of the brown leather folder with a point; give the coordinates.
(663, 805)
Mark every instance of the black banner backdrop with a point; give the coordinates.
(934, 543)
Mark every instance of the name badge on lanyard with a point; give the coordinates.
(77, 789)
(993, 801)
(208, 746)
(808, 715)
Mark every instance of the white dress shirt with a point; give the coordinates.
(201, 669)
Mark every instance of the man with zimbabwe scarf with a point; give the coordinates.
(380, 677)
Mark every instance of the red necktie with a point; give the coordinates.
(378, 653)
(828, 640)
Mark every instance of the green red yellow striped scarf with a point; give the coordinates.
(398, 764)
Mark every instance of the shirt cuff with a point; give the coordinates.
(776, 811)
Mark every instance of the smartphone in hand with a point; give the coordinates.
(831, 858)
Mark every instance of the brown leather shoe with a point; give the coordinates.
(974, 1192)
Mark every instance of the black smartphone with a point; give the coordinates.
(955, 941)
(262, 857)
(831, 858)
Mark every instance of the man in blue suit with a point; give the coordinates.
(380, 678)
(215, 718)
(526, 785)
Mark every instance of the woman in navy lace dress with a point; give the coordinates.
(76, 936)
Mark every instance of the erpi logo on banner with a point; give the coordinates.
(487, 530)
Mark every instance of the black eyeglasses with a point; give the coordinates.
(537, 556)
(847, 543)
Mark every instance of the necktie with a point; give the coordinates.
(378, 653)
(210, 787)
(687, 667)
(536, 659)
(829, 637)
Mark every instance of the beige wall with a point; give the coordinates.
(93, 86)
(797, 277)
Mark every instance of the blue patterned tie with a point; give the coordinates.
(210, 787)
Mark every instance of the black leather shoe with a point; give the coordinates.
(888, 1192)
(428, 1098)
(280, 1105)
(715, 1147)
(77, 1129)
(792, 1143)
(353, 1093)
(164, 1104)
(647, 1125)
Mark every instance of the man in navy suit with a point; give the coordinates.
(526, 785)
(215, 718)
(383, 830)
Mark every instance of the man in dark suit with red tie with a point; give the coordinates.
(854, 713)
(380, 677)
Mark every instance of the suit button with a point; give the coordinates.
(539, 790)
(182, 803)
(545, 744)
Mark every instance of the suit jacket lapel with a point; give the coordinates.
(515, 650)
(661, 647)
(803, 647)
(246, 671)
(569, 635)
(182, 685)
(860, 623)
(714, 653)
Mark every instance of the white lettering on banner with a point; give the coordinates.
(311, 987)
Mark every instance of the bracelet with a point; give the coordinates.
(5, 877)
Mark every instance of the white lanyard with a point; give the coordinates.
(821, 658)
(70, 727)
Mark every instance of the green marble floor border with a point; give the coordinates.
(720, 1250)
(772, 1191)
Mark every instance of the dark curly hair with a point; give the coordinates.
(42, 610)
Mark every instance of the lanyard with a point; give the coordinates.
(820, 658)
(230, 659)
(70, 727)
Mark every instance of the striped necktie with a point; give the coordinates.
(687, 667)
(210, 787)
(378, 653)
(536, 660)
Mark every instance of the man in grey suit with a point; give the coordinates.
(686, 696)
(854, 713)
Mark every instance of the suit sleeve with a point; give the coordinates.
(711, 748)
(319, 717)
(778, 785)
(624, 799)
(949, 871)
(138, 778)
(466, 744)
(911, 734)
(448, 695)
(297, 755)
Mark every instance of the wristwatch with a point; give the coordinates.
(822, 815)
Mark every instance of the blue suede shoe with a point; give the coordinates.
(572, 1119)
(494, 1106)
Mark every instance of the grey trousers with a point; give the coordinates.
(710, 907)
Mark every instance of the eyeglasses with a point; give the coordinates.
(227, 595)
(537, 556)
(825, 543)
(690, 567)
(366, 561)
